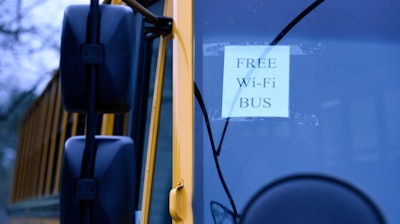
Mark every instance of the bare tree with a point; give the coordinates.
(29, 49)
(29, 46)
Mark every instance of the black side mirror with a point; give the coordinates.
(117, 59)
(111, 194)
(98, 68)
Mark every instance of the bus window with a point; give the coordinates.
(158, 212)
(292, 88)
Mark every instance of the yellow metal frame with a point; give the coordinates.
(182, 133)
(61, 146)
(107, 126)
(154, 124)
(182, 118)
(55, 123)
(38, 137)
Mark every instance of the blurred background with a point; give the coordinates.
(29, 53)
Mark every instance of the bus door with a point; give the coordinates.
(296, 95)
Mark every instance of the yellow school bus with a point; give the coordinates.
(217, 111)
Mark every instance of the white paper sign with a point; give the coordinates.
(256, 81)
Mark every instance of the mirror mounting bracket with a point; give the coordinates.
(86, 189)
(163, 27)
(92, 54)
(162, 24)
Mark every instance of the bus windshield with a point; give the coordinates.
(294, 87)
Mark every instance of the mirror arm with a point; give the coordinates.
(163, 25)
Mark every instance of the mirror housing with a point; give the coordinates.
(117, 60)
(114, 175)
